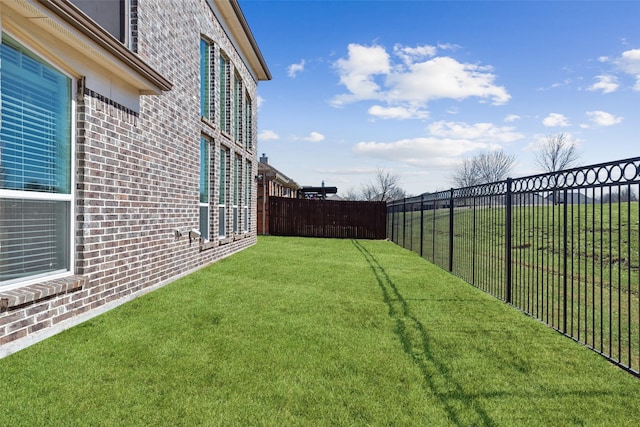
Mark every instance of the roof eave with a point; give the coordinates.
(78, 20)
(242, 33)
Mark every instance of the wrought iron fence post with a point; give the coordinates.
(404, 223)
(508, 243)
(451, 230)
(396, 222)
(421, 222)
(564, 260)
(390, 224)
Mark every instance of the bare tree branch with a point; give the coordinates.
(352, 195)
(385, 186)
(494, 166)
(484, 168)
(465, 174)
(557, 153)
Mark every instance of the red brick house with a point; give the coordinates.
(272, 182)
(127, 152)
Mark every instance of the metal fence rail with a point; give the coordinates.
(563, 247)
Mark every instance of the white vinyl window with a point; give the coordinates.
(237, 109)
(112, 15)
(236, 190)
(222, 194)
(35, 166)
(248, 133)
(204, 188)
(247, 196)
(225, 94)
(205, 78)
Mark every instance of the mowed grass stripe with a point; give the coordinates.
(314, 332)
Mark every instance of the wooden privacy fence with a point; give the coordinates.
(327, 218)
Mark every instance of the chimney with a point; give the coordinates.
(264, 159)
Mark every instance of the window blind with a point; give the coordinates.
(35, 157)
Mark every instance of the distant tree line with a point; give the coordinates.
(556, 153)
(383, 187)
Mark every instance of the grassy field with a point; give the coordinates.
(592, 294)
(315, 332)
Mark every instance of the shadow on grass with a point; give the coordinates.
(459, 406)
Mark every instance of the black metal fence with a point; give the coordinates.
(563, 247)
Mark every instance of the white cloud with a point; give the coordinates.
(444, 77)
(314, 137)
(511, 118)
(605, 83)
(424, 152)
(260, 101)
(294, 69)
(602, 118)
(411, 54)
(480, 132)
(447, 142)
(369, 74)
(268, 135)
(448, 46)
(555, 120)
(347, 171)
(565, 82)
(629, 62)
(399, 113)
(358, 71)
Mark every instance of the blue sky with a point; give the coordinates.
(413, 87)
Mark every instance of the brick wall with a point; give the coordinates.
(137, 180)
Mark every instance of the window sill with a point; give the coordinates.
(210, 244)
(28, 294)
(225, 240)
(208, 122)
(207, 244)
(226, 135)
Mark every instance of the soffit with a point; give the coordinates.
(81, 34)
(239, 28)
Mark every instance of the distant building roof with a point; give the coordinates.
(318, 192)
(271, 173)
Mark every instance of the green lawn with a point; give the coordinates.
(315, 332)
(602, 249)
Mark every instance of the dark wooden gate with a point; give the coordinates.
(327, 218)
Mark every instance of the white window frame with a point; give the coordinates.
(33, 195)
(205, 86)
(205, 205)
(125, 19)
(248, 125)
(236, 193)
(223, 191)
(225, 93)
(237, 108)
(247, 196)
